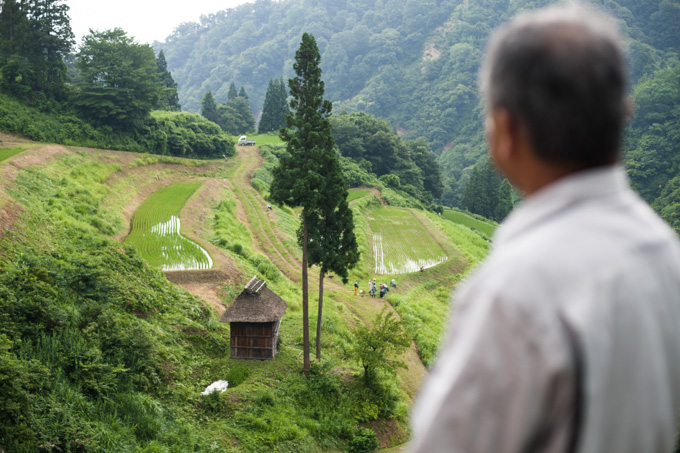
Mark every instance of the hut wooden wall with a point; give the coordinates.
(253, 340)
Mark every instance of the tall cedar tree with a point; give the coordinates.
(232, 92)
(169, 99)
(265, 124)
(275, 107)
(302, 178)
(486, 194)
(242, 92)
(281, 104)
(209, 108)
(332, 243)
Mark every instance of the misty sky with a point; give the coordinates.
(146, 20)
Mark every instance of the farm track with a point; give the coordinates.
(258, 218)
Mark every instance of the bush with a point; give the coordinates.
(237, 375)
(363, 441)
(391, 181)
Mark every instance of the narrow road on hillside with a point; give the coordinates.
(262, 222)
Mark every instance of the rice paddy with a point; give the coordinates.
(6, 153)
(355, 194)
(487, 229)
(401, 244)
(156, 231)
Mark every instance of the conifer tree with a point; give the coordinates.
(332, 243)
(265, 124)
(487, 194)
(504, 205)
(280, 106)
(242, 93)
(275, 107)
(169, 99)
(307, 175)
(235, 116)
(232, 92)
(209, 107)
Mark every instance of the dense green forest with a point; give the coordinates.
(415, 63)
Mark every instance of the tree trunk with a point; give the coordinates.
(318, 319)
(305, 299)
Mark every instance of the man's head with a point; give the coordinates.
(558, 76)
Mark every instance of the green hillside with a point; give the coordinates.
(100, 352)
(415, 64)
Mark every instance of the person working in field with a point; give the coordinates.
(567, 336)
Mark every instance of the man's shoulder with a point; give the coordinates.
(578, 248)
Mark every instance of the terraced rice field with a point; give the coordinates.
(487, 229)
(401, 244)
(156, 231)
(355, 194)
(6, 153)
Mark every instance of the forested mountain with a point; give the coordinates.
(415, 63)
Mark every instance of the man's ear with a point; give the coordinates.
(505, 135)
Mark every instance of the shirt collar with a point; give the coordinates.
(566, 191)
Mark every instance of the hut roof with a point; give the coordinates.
(256, 303)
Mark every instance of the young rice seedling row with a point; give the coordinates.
(401, 244)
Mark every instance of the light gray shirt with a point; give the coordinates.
(569, 332)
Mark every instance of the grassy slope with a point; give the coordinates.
(486, 229)
(96, 192)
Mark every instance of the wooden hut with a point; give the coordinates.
(255, 317)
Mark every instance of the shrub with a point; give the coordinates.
(363, 441)
(391, 181)
(237, 375)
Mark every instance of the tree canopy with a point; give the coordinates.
(118, 80)
(370, 140)
(35, 35)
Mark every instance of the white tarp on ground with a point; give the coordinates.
(217, 386)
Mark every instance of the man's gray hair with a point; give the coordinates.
(561, 72)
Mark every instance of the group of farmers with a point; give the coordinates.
(373, 288)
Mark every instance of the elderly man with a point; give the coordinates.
(567, 338)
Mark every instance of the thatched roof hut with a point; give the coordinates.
(254, 317)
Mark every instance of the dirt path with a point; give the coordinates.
(260, 220)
